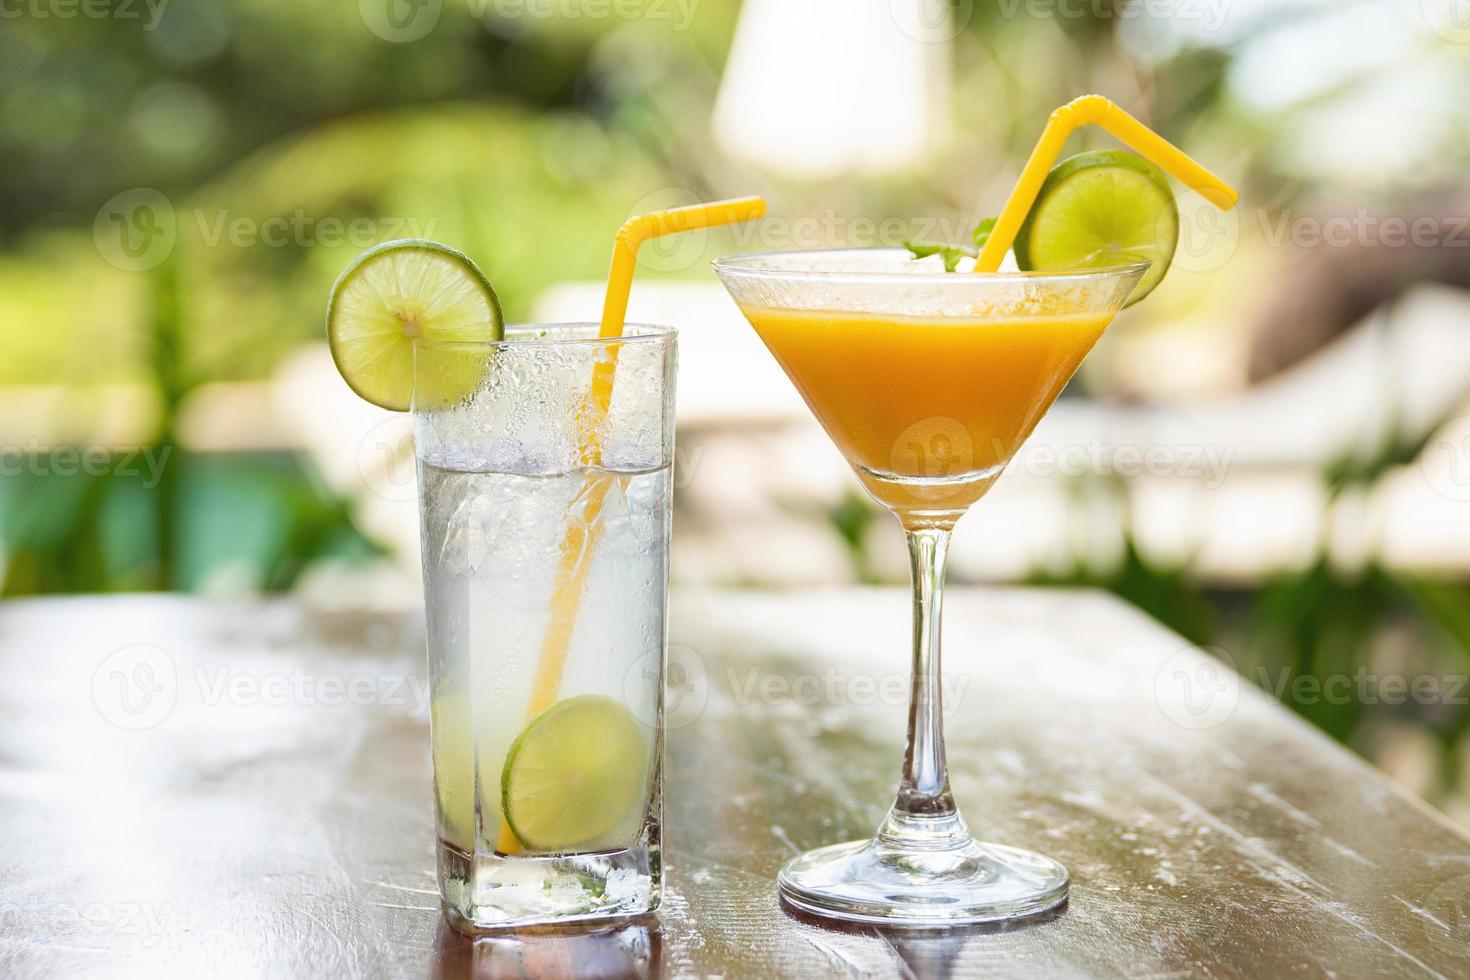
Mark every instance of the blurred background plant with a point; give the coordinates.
(183, 181)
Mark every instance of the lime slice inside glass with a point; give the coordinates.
(452, 739)
(400, 292)
(1099, 209)
(577, 777)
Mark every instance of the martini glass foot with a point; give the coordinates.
(874, 882)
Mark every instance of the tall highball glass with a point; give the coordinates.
(545, 532)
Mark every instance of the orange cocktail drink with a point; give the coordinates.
(928, 410)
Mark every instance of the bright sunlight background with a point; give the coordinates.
(1272, 455)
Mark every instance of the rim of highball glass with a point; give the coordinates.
(776, 266)
(643, 333)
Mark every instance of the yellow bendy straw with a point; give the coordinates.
(636, 231)
(657, 224)
(1093, 110)
(579, 543)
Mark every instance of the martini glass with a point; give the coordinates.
(928, 382)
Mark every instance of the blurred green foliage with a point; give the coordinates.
(1323, 621)
(159, 517)
(1294, 628)
(286, 137)
(232, 521)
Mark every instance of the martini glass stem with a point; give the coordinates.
(924, 812)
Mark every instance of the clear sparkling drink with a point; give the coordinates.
(546, 587)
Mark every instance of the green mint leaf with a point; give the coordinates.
(950, 253)
(982, 232)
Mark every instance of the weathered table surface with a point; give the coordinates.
(193, 788)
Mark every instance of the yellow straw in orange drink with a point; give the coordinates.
(1093, 110)
(582, 525)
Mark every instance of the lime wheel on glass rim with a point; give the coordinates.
(396, 294)
(1098, 209)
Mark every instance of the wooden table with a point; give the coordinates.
(193, 788)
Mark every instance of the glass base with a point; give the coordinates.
(489, 891)
(875, 881)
